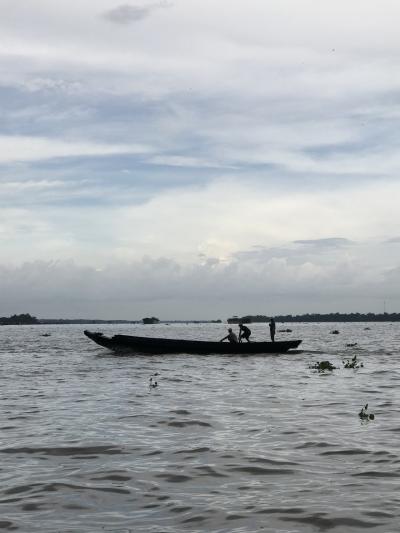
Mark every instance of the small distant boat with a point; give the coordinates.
(152, 345)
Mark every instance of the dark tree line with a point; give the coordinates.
(24, 318)
(317, 317)
(150, 320)
(341, 317)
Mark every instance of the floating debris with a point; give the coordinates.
(323, 365)
(364, 415)
(351, 345)
(285, 330)
(335, 332)
(152, 384)
(352, 363)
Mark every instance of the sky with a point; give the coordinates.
(198, 159)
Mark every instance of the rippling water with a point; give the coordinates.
(223, 444)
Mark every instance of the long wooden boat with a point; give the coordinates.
(152, 345)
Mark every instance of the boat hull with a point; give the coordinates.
(151, 345)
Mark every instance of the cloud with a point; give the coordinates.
(128, 13)
(210, 289)
(329, 242)
(221, 218)
(14, 148)
(184, 161)
(292, 252)
(202, 135)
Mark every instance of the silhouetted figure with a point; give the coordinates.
(231, 337)
(244, 333)
(272, 329)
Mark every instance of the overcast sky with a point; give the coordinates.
(199, 158)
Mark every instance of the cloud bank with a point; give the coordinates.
(206, 290)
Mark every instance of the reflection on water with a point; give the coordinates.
(222, 444)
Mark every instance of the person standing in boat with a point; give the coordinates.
(231, 337)
(244, 333)
(272, 329)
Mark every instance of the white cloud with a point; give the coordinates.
(217, 220)
(184, 161)
(15, 148)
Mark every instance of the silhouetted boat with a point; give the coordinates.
(151, 345)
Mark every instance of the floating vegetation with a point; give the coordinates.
(321, 366)
(352, 363)
(153, 384)
(335, 332)
(364, 415)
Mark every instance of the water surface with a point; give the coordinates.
(222, 444)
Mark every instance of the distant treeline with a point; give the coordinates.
(151, 320)
(16, 320)
(316, 317)
(63, 321)
(26, 318)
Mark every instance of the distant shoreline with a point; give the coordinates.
(134, 322)
(27, 319)
(316, 317)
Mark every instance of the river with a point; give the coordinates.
(226, 444)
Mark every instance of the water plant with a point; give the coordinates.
(364, 415)
(321, 366)
(352, 363)
(153, 384)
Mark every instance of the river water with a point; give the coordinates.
(222, 444)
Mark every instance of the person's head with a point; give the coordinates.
(230, 330)
(240, 325)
